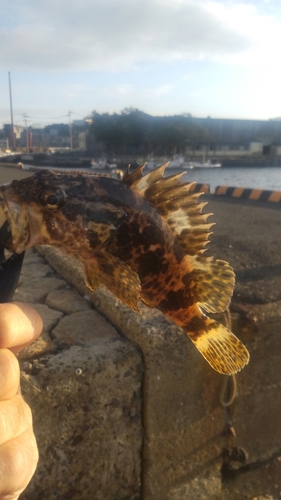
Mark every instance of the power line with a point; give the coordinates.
(79, 114)
(48, 117)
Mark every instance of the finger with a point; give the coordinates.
(18, 461)
(9, 375)
(15, 418)
(19, 324)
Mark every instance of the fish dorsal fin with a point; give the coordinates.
(174, 201)
(131, 178)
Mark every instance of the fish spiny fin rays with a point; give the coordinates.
(214, 282)
(221, 348)
(150, 179)
(105, 269)
(131, 178)
(178, 206)
(190, 226)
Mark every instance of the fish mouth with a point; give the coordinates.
(5, 236)
(10, 262)
(14, 231)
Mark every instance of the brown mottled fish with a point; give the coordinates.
(142, 237)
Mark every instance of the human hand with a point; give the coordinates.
(19, 325)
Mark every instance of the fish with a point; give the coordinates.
(142, 237)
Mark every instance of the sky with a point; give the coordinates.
(209, 58)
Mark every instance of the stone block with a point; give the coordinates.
(36, 270)
(83, 328)
(42, 345)
(49, 316)
(67, 301)
(34, 291)
(86, 404)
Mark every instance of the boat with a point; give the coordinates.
(104, 164)
(99, 164)
(177, 161)
(112, 165)
(55, 160)
(204, 164)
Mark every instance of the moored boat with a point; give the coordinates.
(205, 164)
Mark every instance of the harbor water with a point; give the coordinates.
(267, 178)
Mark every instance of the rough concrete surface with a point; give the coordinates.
(86, 407)
(186, 453)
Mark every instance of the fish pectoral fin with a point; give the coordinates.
(116, 276)
(221, 348)
(214, 283)
(90, 279)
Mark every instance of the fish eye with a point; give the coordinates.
(52, 200)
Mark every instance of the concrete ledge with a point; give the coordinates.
(182, 415)
(190, 440)
(250, 194)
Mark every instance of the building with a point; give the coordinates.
(261, 137)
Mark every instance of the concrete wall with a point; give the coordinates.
(130, 409)
(194, 447)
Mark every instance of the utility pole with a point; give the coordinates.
(26, 132)
(70, 131)
(11, 110)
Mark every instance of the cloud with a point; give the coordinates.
(114, 35)
(137, 92)
(124, 89)
(263, 30)
(74, 90)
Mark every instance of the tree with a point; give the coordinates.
(135, 132)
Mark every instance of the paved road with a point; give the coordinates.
(247, 234)
(7, 174)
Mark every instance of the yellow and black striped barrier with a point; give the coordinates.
(200, 188)
(249, 194)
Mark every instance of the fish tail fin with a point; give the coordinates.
(220, 347)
